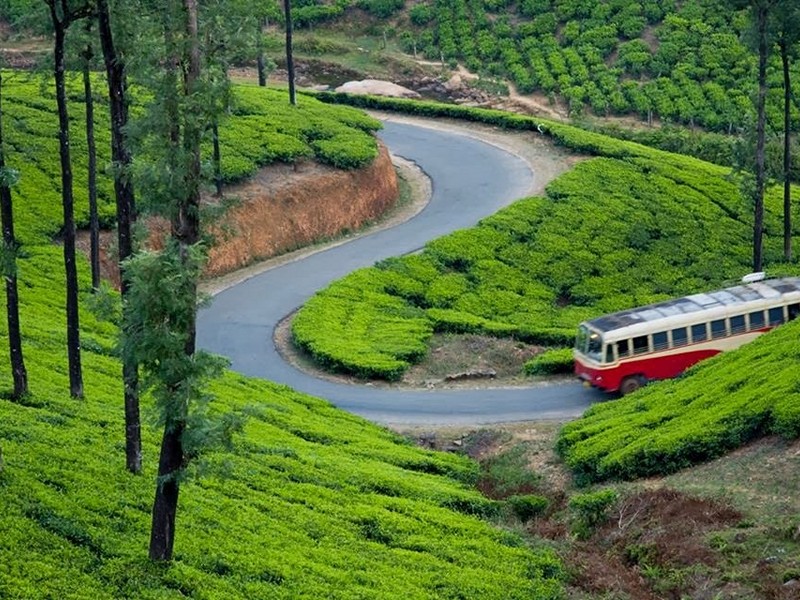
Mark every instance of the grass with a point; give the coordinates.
(345, 52)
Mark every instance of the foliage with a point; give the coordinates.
(588, 510)
(551, 362)
(310, 502)
(508, 474)
(719, 405)
(661, 225)
(682, 63)
(262, 129)
(527, 506)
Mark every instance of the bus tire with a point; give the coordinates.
(631, 384)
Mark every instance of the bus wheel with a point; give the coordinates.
(631, 384)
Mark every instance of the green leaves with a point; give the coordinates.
(8, 177)
(632, 226)
(719, 405)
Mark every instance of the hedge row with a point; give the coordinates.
(679, 62)
(311, 502)
(632, 226)
(723, 403)
(263, 128)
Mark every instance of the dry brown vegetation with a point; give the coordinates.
(728, 530)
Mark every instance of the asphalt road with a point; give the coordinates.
(471, 180)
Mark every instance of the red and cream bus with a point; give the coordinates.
(624, 350)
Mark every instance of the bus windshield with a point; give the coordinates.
(589, 343)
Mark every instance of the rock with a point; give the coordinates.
(454, 83)
(377, 87)
(473, 374)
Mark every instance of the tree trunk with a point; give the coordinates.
(73, 324)
(287, 6)
(165, 507)
(18, 372)
(262, 71)
(758, 220)
(217, 158)
(126, 216)
(94, 221)
(787, 153)
(185, 229)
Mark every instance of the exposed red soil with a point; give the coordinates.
(282, 208)
(654, 529)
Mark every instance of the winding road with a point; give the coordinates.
(471, 180)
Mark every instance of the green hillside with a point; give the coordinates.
(628, 227)
(309, 502)
(721, 404)
(684, 62)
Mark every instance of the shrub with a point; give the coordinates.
(589, 510)
(551, 362)
(526, 507)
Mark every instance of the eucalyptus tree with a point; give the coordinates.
(7, 176)
(160, 333)
(122, 159)
(229, 31)
(786, 21)
(87, 57)
(759, 15)
(263, 12)
(287, 9)
(64, 13)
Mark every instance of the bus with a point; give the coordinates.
(621, 352)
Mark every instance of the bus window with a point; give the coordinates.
(776, 316)
(737, 324)
(610, 353)
(640, 344)
(699, 333)
(680, 337)
(660, 341)
(794, 311)
(756, 320)
(622, 348)
(718, 329)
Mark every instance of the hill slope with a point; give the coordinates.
(310, 502)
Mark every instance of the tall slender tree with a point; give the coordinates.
(287, 8)
(164, 333)
(760, 14)
(87, 54)
(18, 372)
(787, 26)
(63, 13)
(126, 215)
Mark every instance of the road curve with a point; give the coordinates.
(471, 180)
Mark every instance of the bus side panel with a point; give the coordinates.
(651, 367)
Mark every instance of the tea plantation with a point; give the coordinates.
(309, 502)
(262, 128)
(629, 226)
(719, 405)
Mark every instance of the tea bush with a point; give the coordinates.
(263, 128)
(551, 362)
(726, 402)
(589, 510)
(631, 226)
(311, 502)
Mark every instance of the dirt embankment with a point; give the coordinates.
(286, 207)
(282, 208)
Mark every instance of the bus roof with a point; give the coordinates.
(740, 295)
